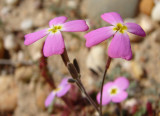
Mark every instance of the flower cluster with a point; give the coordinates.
(119, 48)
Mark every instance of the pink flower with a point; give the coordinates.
(114, 91)
(54, 43)
(60, 91)
(120, 45)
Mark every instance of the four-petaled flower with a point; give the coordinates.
(120, 44)
(60, 91)
(54, 43)
(114, 91)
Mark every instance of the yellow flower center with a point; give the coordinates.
(54, 29)
(113, 91)
(119, 27)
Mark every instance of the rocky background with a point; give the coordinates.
(23, 89)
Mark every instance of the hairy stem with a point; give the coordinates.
(75, 75)
(104, 75)
(87, 96)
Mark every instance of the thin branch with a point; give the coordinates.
(104, 75)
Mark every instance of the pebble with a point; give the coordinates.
(26, 24)
(130, 104)
(20, 56)
(5, 10)
(41, 95)
(11, 2)
(156, 35)
(26, 102)
(137, 70)
(24, 73)
(146, 23)
(10, 42)
(8, 93)
(34, 49)
(94, 8)
(156, 12)
(72, 45)
(72, 4)
(96, 58)
(130, 20)
(134, 68)
(135, 38)
(146, 6)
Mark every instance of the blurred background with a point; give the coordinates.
(23, 89)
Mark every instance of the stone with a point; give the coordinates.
(35, 49)
(72, 4)
(155, 12)
(11, 2)
(8, 93)
(146, 6)
(135, 38)
(41, 95)
(130, 20)
(96, 58)
(137, 70)
(156, 35)
(26, 24)
(130, 104)
(10, 42)
(146, 23)
(72, 45)
(94, 8)
(5, 10)
(20, 56)
(134, 68)
(26, 102)
(24, 73)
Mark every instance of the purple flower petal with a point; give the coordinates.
(122, 83)
(112, 18)
(120, 47)
(99, 35)
(54, 44)
(57, 20)
(105, 99)
(107, 86)
(64, 86)
(135, 29)
(32, 37)
(64, 81)
(75, 26)
(122, 95)
(49, 99)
